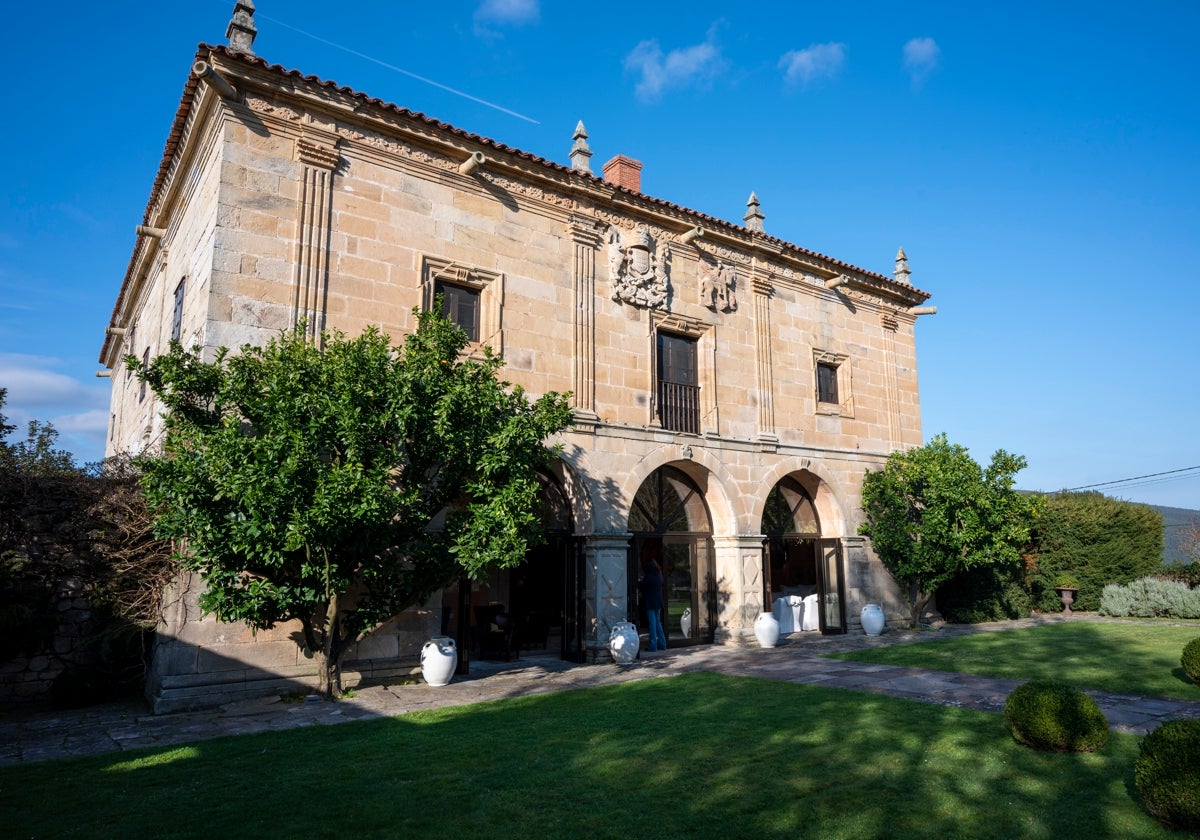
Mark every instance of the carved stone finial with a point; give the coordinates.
(580, 151)
(902, 272)
(754, 217)
(241, 29)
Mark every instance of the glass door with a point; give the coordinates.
(831, 586)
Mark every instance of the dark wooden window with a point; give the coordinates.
(827, 383)
(177, 317)
(461, 306)
(678, 384)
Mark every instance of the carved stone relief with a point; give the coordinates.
(267, 106)
(717, 286)
(531, 191)
(638, 268)
(728, 254)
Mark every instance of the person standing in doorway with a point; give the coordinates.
(652, 598)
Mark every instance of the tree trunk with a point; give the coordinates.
(918, 600)
(329, 658)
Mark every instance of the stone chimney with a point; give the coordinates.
(241, 30)
(624, 172)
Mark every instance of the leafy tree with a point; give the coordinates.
(5, 427)
(38, 454)
(932, 513)
(339, 484)
(1096, 540)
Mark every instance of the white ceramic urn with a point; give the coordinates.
(439, 658)
(872, 619)
(766, 629)
(623, 642)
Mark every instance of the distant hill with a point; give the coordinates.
(1174, 519)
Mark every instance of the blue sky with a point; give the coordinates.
(1038, 162)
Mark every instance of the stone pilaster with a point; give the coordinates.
(761, 293)
(739, 564)
(890, 385)
(585, 236)
(606, 593)
(318, 159)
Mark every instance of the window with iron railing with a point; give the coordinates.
(678, 384)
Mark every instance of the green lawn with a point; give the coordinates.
(1110, 656)
(699, 755)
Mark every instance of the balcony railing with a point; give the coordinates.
(679, 407)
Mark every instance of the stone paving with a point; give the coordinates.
(27, 736)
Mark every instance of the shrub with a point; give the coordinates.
(1096, 540)
(1191, 660)
(1167, 774)
(1116, 600)
(985, 593)
(1151, 597)
(1188, 573)
(1055, 717)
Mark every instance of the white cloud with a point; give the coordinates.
(497, 13)
(921, 58)
(78, 409)
(86, 423)
(30, 382)
(679, 68)
(815, 62)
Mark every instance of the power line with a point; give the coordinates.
(1137, 478)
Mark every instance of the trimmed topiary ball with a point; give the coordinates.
(1055, 717)
(1167, 774)
(1191, 660)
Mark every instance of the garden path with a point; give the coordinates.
(28, 735)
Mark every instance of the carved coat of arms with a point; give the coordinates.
(717, 290)
(637, 268)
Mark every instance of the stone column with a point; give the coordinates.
(761, 292)
(585, 234)
(318, 159)
(606, 598)
(739, 562)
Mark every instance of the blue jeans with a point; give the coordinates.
(658, 639)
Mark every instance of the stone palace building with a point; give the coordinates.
(730, 389)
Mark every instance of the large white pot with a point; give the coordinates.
(439, 658)
(623, 642)
(872, 619)
(766, 629)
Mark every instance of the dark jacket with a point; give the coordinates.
(652, 590)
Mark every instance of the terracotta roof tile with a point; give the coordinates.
(205, 50)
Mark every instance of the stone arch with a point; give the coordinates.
(704, 468)
(571, 471)
(828, 497)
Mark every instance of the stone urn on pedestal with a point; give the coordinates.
(1066, 587)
